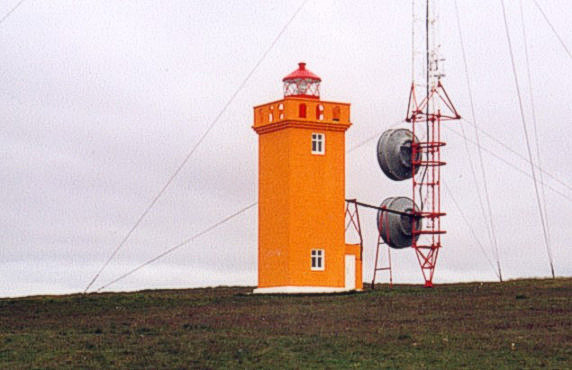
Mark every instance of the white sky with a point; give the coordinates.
(102, 100)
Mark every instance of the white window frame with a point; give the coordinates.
(318, 143)
(318, 260)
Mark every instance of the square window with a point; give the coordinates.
(318, 143)
(317, 260)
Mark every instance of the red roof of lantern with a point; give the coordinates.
(302, 73)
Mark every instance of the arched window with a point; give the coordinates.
(336, 113)
(302, 110)
(319, 112)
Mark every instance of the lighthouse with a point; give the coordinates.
(301, 200)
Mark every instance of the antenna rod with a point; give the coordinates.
(427, 55)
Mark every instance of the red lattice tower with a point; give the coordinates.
(426, 116)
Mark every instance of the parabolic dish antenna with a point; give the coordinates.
(396, 229)
(394, 153)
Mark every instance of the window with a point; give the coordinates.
(320, 112)
(336, 113)
(318, 143)
(317, 260)
(302, 111)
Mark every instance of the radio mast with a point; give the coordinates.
(428, 106)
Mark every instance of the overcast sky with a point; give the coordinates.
(102, 100)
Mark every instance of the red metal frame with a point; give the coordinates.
(380, 245)
(352, 217)
(353, 220)
(426, 185)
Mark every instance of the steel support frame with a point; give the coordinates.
(426, 185)
(378, 260)
(352, 217)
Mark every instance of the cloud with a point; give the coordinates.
(102, 101)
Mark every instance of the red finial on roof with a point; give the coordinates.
(303, 73)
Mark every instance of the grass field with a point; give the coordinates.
(517, 324)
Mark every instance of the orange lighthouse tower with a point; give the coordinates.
(301, 241)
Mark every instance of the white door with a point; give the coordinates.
(350, 272)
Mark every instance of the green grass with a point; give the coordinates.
(517, 324)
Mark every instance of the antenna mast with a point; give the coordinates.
(425, 113)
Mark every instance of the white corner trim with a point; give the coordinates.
(300, 290)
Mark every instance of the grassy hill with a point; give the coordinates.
(524, 323)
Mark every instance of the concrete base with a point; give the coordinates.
(300, 290)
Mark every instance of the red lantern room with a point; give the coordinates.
(302, 83)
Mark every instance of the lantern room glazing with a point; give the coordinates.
(302, 83)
